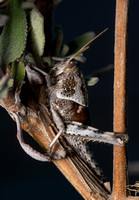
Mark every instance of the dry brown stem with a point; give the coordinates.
(120, 159)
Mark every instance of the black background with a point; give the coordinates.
(21, 177)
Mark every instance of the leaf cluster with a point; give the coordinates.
(23, 37)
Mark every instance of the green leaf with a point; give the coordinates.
(92, 81)
(13, 38)
(47, 60)
(30, 59)
(37, 33)
(64, 50)
(5, 84)
(18, 72)
(79, 42)
(80, 58)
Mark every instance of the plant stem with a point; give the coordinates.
(120, 125)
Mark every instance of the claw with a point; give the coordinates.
(122, 138)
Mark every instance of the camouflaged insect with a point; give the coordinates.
(68, 104)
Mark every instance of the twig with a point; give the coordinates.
(120, 125)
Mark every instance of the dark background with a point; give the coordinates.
(21, 177)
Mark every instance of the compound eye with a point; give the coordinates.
(69, 66)
(67, 69)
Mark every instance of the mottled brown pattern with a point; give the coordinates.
(69, 86)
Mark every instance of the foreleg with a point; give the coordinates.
(60, 125)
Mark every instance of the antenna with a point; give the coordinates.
(86, 46)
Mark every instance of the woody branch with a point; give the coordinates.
(120, 125)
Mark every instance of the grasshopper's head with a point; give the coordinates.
(66, 66)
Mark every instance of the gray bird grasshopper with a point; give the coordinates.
(68, 104)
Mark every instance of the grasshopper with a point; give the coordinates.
(68, 104)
